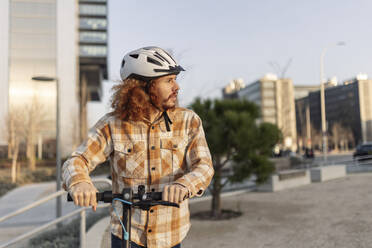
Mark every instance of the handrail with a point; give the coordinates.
(32, 205)
(354, 161)
(55, 221)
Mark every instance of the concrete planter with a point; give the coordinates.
(321, 174)
(286, 180)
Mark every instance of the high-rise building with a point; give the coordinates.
(301, 91)
(348, 114)
(275, 98)
(60, 39)
(93, 50)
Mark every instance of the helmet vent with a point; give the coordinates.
(153, 61)
(161, 57)
(134, 56)
(170, 57)
(122, 63)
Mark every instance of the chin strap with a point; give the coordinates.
(167, 120)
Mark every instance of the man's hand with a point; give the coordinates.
(175, 193)
(84, 195)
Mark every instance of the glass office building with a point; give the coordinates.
(32, 52)
(39, 38)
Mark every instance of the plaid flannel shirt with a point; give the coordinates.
(145, 153)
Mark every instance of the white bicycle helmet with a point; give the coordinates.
(148, 63)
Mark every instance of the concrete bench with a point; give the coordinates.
(325, 173)
(286, 180)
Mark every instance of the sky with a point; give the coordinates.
(217, 41)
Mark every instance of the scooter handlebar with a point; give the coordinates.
(107, 196)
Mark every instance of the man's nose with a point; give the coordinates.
(176, 87)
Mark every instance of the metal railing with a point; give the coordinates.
(355, 164)
(55, 221)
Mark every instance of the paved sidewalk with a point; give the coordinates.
(333, 214)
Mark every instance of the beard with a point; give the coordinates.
(171, 102)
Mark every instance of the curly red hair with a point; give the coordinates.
(132, 99)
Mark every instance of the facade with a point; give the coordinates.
(4, 67)
(348, 114)
(231, 90)
(301, 91)
(275, 97)
(93, 28)
(41, 38)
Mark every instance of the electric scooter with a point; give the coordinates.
(142, 200)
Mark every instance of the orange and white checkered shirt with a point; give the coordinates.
(145, 153)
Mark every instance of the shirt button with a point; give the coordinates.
(153, 168)
(152, 127)
(150, 230)
(153, 148)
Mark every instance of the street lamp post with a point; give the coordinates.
(58, 148)
(322, 100)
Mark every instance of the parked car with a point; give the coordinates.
(363, 151)
(309, 153)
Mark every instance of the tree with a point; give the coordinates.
(316, 138)
(237, 141)
(341, 136)
(16, 135)
(23, 124)
(34, 121)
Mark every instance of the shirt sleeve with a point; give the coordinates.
(198, 159)
(94, 150)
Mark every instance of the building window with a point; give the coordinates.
(268, 103)
(96, 10)
(93, 37)
(270, 120)
(268, 85)
(93, 51)
(268, 93)
(93, 23)
(33, 9)
(252, 96)
(268, 112)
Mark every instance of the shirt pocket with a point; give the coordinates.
(173, 154)
(130, 159)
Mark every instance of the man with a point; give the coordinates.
(149, 141)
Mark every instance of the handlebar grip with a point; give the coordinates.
(156, 196)
(69, 198)
(105, 196)
(171, 204)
